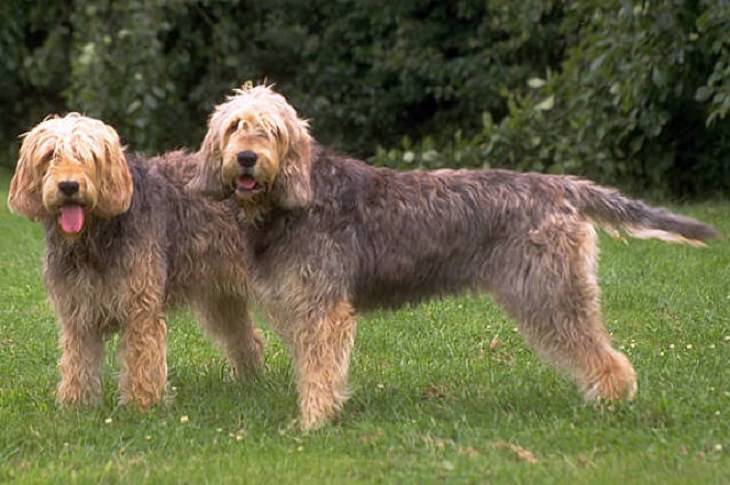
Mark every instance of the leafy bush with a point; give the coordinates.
(641, 99)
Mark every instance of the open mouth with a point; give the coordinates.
(246, 184)
(71, 218)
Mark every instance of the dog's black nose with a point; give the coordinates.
(68, 188)
(247, 159)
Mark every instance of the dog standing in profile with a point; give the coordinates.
(124, 242)
(330, 236)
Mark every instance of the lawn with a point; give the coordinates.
(446, 391)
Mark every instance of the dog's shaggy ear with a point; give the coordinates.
(207, 179)
(113, 176)
(25, 196)
(293, 184)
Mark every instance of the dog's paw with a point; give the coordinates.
(615, 380)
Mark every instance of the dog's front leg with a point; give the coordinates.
(82, 349)
(142, 354)
(322, 349)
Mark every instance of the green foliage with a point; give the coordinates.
(33, 66)
(366, 72)
(636, 93)
(118, 72)
(640, 99)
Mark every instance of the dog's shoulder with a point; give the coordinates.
(177, 167)
(339, 177)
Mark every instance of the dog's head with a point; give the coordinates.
(71, 168)
(258, 150)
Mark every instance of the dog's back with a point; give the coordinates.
(418, 234)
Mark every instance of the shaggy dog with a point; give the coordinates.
(330, 236)
(124, 242)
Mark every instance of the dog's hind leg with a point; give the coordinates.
(552, 291)
(321, 348)
(228, 321)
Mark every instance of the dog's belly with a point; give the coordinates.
(406, 283)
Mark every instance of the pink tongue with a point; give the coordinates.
(246, 183)
(71, 218)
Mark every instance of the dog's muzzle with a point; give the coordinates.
(245, 184)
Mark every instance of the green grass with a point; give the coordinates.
(431, 401)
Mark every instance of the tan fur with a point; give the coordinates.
(645, 233)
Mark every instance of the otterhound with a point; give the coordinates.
(124, 242)
(329, 236)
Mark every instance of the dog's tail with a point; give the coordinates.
(613, 211)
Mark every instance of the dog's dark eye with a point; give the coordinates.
(46, 158)
(231, 128)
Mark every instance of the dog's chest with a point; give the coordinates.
(82, 271)
(268, 239)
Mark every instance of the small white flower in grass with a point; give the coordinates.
(184, 419)
(633, 345)
(712, 346)
(381, 386)
(148, 437)
(671, 346)
(239, 437)
(536, 82)
(689, 346)
(718, 447)
(108, 421)
(219, 430)
(717, 413)
(712, 388)
(514, 329)
(661, 353)
(300, 448)
(727, 338)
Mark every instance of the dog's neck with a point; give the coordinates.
(258, 214)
